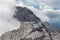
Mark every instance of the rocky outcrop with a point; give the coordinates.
(27, 31)
(55, 35)
(31, 27)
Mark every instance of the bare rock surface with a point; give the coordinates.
(27, 31)
(56, 35)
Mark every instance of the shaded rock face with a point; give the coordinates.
(29, 29)
(25, 15)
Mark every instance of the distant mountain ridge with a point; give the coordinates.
(51, 27)
(57, 24)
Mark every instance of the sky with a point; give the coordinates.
(46, 10)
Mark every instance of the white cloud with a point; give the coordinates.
(7, 23)
(49, 12)
(53, 3)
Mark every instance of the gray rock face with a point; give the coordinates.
(25, 15)
(55, 35)
(27, 31)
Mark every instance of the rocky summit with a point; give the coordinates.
(25, 15)
(31, 27)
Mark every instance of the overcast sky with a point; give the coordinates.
(46, 10)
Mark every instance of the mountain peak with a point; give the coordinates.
(24, 14)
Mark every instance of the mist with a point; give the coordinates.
(7, 10)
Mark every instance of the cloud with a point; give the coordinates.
(7, 22)
(51, 13)
(53, 3)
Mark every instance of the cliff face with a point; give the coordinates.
(31, 27)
